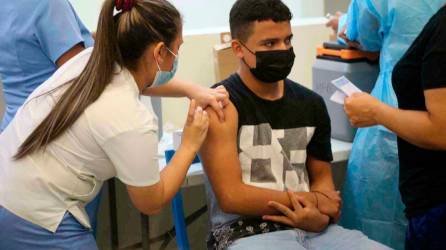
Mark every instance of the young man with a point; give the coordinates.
(276, 138)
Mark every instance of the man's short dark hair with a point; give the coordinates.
(245, 12)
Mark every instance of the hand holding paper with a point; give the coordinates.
(338, 97)
(345, 88)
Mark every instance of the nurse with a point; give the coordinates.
(38, 37)
(86, 125)
(372, 202)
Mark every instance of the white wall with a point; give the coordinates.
(88, 11)
(217, 11)
(216, 14)
(331, 6)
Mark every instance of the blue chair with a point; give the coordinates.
(178, 211)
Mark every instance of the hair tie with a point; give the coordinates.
(124, 5)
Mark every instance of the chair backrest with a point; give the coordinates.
(178, 214)
(157, 107)
(170, 153)
(156, 104)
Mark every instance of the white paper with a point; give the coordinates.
(338, 97)
(346, 86)
(176, 137)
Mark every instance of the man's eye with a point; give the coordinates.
(269, 44)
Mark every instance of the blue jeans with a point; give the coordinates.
(427, 231)
(92, 209)
(333, 238)
(20, 234)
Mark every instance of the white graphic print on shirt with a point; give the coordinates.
(274, 159)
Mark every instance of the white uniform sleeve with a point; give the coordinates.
(134, 156)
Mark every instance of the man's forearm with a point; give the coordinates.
(324, 183)
(322, 187)
(253, 201)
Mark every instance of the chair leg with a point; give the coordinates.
(145, 232)
(178, 214)
(113, 214)
(180, 224)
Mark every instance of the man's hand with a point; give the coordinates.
(329, 203)
(304, 215)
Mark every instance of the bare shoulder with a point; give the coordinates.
(221, 140)
(230, 123)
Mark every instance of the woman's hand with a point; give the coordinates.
(217, 98)
(362, 109)
(196, 128)
(304, 215)
(333, 22)
(353, 44)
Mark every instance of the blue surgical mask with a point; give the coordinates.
(163, 77)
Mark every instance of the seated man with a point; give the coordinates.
(272, 154)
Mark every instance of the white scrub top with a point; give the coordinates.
(115, 136)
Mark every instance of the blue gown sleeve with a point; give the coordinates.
(57, 28)
(363, 24)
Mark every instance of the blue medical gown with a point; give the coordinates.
(372, 202)
(34, 35)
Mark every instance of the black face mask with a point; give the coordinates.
(272, 66)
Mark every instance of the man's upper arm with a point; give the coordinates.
(319, 146)
(219, 152)
(319, 150)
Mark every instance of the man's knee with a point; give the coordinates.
(281, 240)
(338, 237)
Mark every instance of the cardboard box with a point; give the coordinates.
(225, 62)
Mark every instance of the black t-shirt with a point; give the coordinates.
(275, 137)
(423, 67)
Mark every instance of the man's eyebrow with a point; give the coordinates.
(275, 39)
(269, 40)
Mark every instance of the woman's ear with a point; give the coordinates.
(159, 52)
